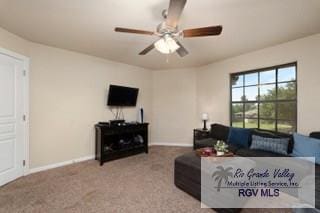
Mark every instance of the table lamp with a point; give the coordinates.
(205, 118)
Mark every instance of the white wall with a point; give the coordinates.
(180, 96)
(174, 106)
(14, 43)
(67, 97)
(213, 80)
(68, 94)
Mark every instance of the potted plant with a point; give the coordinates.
(221, 148)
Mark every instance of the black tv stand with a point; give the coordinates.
(118, 141)
(117, 122)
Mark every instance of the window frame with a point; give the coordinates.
(258, 102)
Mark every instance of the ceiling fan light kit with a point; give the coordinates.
(169, 33)
(166, 45)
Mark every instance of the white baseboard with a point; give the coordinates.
(65, 163)
(170, 144)
(56, 165)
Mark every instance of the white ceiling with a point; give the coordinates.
(87, 26)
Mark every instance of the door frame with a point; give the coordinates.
(26, 68)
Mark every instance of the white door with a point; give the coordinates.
(11, 119)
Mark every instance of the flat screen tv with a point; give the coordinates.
(122, 96)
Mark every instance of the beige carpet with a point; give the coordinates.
(142, 183)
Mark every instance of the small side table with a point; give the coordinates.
(199, 134)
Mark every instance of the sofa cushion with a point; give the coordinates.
(257, 153)
(305, 146)
(276, 145)
(233, 148)
(219, 132)
(239, 137)
(272, 134)
(207, 142)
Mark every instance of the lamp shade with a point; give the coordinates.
(205, 116)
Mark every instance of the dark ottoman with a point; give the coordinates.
(187, 177)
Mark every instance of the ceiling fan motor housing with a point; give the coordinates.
(163, 28)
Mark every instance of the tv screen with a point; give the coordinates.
(122, 96)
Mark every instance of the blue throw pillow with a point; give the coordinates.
(239, 137)
(306, 147)
(276, 145)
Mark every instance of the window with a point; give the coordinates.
(265, 99)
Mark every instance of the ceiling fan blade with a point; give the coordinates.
(205, 31)
(127, 30)
(174, 12)
(148, 49)
(182, 52)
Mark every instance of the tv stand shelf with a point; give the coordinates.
(114, 142)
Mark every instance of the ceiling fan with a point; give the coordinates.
(169, 32)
